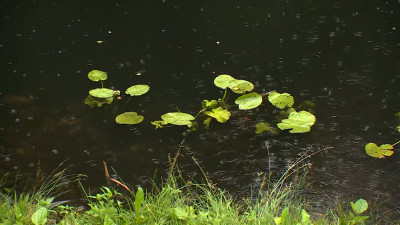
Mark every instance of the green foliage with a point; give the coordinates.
(298, 122)
(102, 93)
(282, 218)
(360, 206)
(139, 198)
(97, 75)
(281, 100)
(220, 114)
(379, 152)
(249, 101)
(129, 118)
(93, 101)
(137, 90)
(40, 216)
(263, 127)
(223, 80)
(209, 104)
(240, 86)
(174, 118)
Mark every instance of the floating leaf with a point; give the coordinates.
(102, 93)
(40, 216)
(209, 104)
(222, 81)
(299, 122)
(159, 123)
(97, 75)
(360, 206)
(93, 101)
(129, 118)
(178, 118)
(262, 127)
(137, 90)
(281, 100)
(249, 101)
(240, 86)
(222, 115)
(379, 152)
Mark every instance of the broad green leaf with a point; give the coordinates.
(17, 211)
(40, 216)
(139, 198)
(177, 118)
(379, 152)
(282, 218)
(108, 221)
(102, 93)
(129, 118)
(207, 122)
(262, 127)
(281, 100)
(360, 206)
(298, 122)
(223, 80)
(240, 86)
(222, 115)
(97, 75)
(159, 123)
(93, 101)
(249, 101)
(137, 90)
(181, 213)
(209, 104)
(305, 217)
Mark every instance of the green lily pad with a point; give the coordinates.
(102, 93)
(379, 152)
(240, 86)
(249, 101)
(298, 122)
(263, 127)
(129, 118)
(178, 118)
(137, 90)
(360, 206)
(97, 75)
(93, 101)
(209, 104)
(222, 115)
(222, 81)
(281, 100)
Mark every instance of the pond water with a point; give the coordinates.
(342, 55)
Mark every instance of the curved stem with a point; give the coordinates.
(224, 97)
(102, 86)
(396, 143)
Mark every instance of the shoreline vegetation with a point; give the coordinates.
(178, 201)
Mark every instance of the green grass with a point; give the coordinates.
(176, 201)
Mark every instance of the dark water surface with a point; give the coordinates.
(342, 55)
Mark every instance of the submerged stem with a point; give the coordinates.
(102, 85)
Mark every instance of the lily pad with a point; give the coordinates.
(137, 90)
(97, 75)
(129, 118)
(240, 86)
(102, 93)
(222, 81)
(379, 152)
(178, 118)
(249, 101)
(360, 206)
(222, 115)
(93, 101)
(263, 127)
(209, 104)
(281, 100)
(298, 122)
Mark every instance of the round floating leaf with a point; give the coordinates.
(360, 206)
(137, 90)
(379, 152)
(223, 80)
(281, 100)
(178, 118)
(240, 86)
(262, 127)
(298, 122)
(222, 115)
(129, 118)
(96, 75)
(93, 101)
(102, 93)
(249, 101)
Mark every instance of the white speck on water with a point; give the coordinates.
(55, 151)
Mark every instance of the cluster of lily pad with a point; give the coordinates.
(297, 122)
(100, 96)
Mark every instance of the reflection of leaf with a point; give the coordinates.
(207, 122)
(240, 86)
(129, 118)
(299, 122)
(137, 90)
(159, 123)
(249, 101)
(379, 152)
(281, 100)
(223, 80)
(93, 101)
(97, 75)
(178, 118)
(262, 126)
(102, 93)
(360, 206)
(222, 115)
